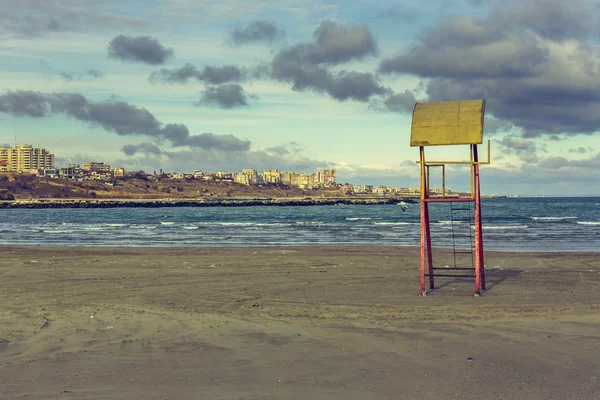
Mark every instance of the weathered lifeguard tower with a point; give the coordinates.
(443, 124)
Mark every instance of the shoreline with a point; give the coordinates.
(228, 202)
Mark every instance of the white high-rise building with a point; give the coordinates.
(25, 158)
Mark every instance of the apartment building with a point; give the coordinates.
(93, 166)
(25, 158)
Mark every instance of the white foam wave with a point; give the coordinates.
(486, 227)
(191, 227)
(551, 218)
(587, 222)
(310, 223)
(167, 223)
(356, 219)
(116, 225)
(56, 231)
(394, 223)
(143, 226)
(240, 223)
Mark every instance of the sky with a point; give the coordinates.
(301, 85)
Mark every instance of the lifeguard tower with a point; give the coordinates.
(450, 123)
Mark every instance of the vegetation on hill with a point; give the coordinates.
(25, 186)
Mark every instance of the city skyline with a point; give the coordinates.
(306, 85)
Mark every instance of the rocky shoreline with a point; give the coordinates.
(229, 202)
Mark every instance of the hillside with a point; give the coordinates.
(25, 186)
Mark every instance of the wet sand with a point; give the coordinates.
(294, 323)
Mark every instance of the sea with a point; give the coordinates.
(514, 224)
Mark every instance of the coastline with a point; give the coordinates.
(322, 322)
(202, 202)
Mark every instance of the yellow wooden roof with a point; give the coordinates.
(447, 123)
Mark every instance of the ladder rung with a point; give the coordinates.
(451, 276)
(461, 209)
(455, 268)
(463, 251)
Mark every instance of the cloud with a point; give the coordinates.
(146, 148)
(400, 102)
(145, 49)
(36, 17)
(69, 76)
(256, 31)
(200, 159)
(531, 60)
(228, 95)
(211, 75)
(115, 116)
(335, 44)
(581, 150)
(286, 148)
(493, 125)
(526, 150)
(341, 85)
(398, 12)
(307, 65)
(85, 76)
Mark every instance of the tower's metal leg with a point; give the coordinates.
(479, 262)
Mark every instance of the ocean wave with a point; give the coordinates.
(310, 223)
(356, 219)
(116, 225)
(486, 227)
(587, 222)
(551, 218)
(143, 226)
(190, 227)
(167, 223)
(395, 223)
(56, 230)
(216, 223)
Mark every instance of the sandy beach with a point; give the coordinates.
(294, 323)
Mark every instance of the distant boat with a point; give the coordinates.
(403, 206)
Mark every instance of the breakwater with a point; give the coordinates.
(229, 202)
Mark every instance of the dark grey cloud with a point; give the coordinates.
(146, 148)
(531, 60)
(209, 74)
(145, 49)
(341, 85)
(227, 95)
(115, 116)
(256, 31)
(399, 102)
(493, 125)
(334, 44)
(285, 149)
(36, 17)
(307, 65)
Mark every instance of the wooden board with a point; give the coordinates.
(447, 123)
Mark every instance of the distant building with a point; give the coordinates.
(271, 176)
(118, 172)
(93, 166)
(24, 158)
